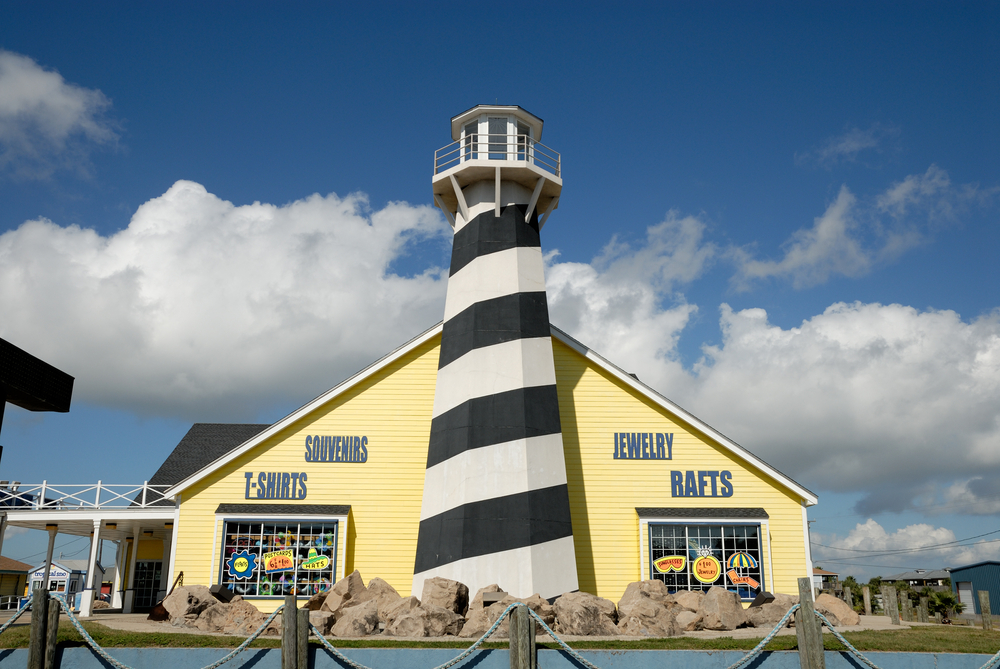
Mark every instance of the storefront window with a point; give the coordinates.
(698, 557)
(278, 558)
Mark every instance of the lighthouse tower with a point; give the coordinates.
(495, 505)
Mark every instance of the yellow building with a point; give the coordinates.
(337, 486)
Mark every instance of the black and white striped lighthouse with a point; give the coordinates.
(495, 504)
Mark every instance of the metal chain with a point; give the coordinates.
(759, 648)
(575, 655)
(121, 665)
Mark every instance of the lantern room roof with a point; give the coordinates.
(458, 121)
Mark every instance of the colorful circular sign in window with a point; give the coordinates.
(706, 569)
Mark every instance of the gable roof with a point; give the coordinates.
(203, 444)
(621, 375)
(11, 565)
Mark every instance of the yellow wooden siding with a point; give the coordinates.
(393, 409)
(150, 549)
(604, 492)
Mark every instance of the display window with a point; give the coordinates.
(272, 558)
(702, 556)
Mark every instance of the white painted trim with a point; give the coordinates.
(464, 208)
(805, 540)
(553, 203)
(808, 497)
(215, 546)
(770, 556)
(173, 548)
(521, 363)
(643, 535)
(304, 410)
(494, 471)
(441, 205)
(268, 517)
(534, 198)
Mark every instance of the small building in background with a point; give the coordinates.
(936, 579)
(826, 580)
(66, 576)
(13, 580)
(981, 576)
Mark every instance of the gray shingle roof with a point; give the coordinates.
(203, 444)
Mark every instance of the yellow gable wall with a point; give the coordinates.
(604, 492)
(393, 409)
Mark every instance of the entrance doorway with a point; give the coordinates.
(147, 583)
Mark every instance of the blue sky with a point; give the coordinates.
(781, 216)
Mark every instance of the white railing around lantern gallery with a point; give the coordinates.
(51, 496)
(497, 147)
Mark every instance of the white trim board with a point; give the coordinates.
(808, 497)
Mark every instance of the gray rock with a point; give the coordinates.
(322, 620)
(477, 602)
(689, 599)
(399, 607)
(584, 614)
(647, 609)
(384, 595)
(768, 615)
(722, 610)
(445, 593)
(351, 587)
(425, 620)
(360, 620)
(837, 611)
(187, 600)
(689, 621)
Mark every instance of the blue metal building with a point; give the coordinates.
(968, 580)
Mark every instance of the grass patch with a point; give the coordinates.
(940, 639)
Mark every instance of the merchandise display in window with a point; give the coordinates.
(278, 558)
(698, 557)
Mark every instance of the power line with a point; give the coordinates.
(911, 550)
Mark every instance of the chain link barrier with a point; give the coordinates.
(121, 665)
(992, 663)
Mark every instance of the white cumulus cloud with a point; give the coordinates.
(47, 123)
(207, 310)
(848, 146)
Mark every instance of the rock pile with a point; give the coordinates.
(351, 609)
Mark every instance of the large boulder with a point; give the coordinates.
(768, 615)
(647, 609)
(322, 620)
(243, 618)
(584, 614)
(837, 611)
(345, 592)
(445, 593)
(400, 607)
(187, 600)
(425, 620)
(689, 621)
(360, 620)
(480, 619)
(477, 602)
(384, 595)
(689, 599)
(722, 610)
(213, 619)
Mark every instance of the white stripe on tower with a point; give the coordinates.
(496, 502)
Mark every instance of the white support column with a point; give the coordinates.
(119, 585)
(130, 587)
(534, 199)
(165, 581)
(52, 529)
(447, 214)
(87, 598)
(462, 206)
(543, 219)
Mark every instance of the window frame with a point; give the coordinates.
(764, 536)
(218, 552)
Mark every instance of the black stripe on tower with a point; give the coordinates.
(494, 419)
(494, 525)
(487, 234)
(502, 319)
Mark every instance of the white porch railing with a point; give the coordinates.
(497, 147)
(47, 496)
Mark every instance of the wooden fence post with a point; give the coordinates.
(923, 613)
(39, 621)
(808, 629)
(51, 634)
(866, 594)
(849, 597)
(522, 638)
(289, 640)
(302, 647)
(890, 604)
(984, 609)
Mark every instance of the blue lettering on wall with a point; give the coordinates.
(701, 483)
(325, 448)
(275, 485)
(644, 446)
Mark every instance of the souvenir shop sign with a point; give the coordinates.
(644, 446)
(241, 565)
(706, 569)
(276, 485)
(315, 562)
(702, 483)
(276, 561)
(670, 563)
(325, 448)
(739, 565)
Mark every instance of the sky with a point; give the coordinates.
(785, 217)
